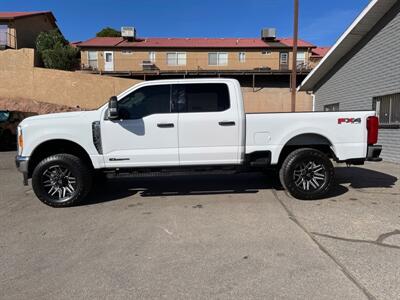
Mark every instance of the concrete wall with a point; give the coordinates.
(274, 100)
(370, 69)
(19, 79)
(195, 59)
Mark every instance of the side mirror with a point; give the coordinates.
(113, 113)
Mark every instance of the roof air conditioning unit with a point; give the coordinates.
(128, 32)
(268, 33)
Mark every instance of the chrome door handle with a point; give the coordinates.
(226, 123)
(165, 125)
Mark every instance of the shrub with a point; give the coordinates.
(108, 32)
(55, 52)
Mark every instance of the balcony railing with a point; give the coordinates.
(303, 66)
(7, 40)
(132, 63)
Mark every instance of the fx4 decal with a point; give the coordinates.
(349, 120)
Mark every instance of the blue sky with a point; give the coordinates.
(321, 22)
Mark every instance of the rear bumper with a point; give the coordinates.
(21, 163)
(373, 152)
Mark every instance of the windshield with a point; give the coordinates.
(4, 115)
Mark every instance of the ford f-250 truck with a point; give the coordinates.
(185, 126)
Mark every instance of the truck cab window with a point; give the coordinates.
(210, 97)
(146, 101)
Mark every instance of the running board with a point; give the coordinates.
(120, 173)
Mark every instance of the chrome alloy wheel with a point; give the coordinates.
(59, 183)
(309, 176)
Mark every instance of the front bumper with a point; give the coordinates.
(22, 165)
(373, 152)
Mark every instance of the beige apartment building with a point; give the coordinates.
(20, 29)
(119, 55)
(262, 65)
(317, 54)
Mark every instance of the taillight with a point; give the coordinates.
(372, 127)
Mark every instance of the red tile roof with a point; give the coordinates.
(74, 43)
(300, 43)
(192, 43)
(320, 51)
(17, 15)
(102, 41)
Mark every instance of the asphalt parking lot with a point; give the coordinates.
(204, 237)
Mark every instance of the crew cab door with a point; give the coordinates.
(208, 124)
(146, 134)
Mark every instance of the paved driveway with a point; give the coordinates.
(204, 237)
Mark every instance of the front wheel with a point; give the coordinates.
(61, 180)
(307, 174)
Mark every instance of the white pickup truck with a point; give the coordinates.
(185, 126)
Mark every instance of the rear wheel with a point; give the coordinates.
(307, 174)
(61, 180)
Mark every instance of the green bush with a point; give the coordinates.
(108, 32)
(55, 51)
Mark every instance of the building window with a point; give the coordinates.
(92, 59)
(388, 109)
(266, 52)
(127, 52)
(176, 58)
(301, 58)
(152, 56)
(3, 34)
(242, 57)
(218, 58)
(331, 107)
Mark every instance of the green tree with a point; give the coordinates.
(108, 32)
(55, 51)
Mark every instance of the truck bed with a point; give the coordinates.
(345, 131)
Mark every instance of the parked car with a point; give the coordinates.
(9, 121)
(189, 126)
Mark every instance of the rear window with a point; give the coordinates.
(209, 97)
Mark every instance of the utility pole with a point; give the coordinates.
(294, 56)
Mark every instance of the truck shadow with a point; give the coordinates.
(246, 183)
(364, 178)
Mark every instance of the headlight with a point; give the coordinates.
(20, 140)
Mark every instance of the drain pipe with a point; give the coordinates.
(313, 102)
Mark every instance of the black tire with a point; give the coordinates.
(307, 174)
(64, 172)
